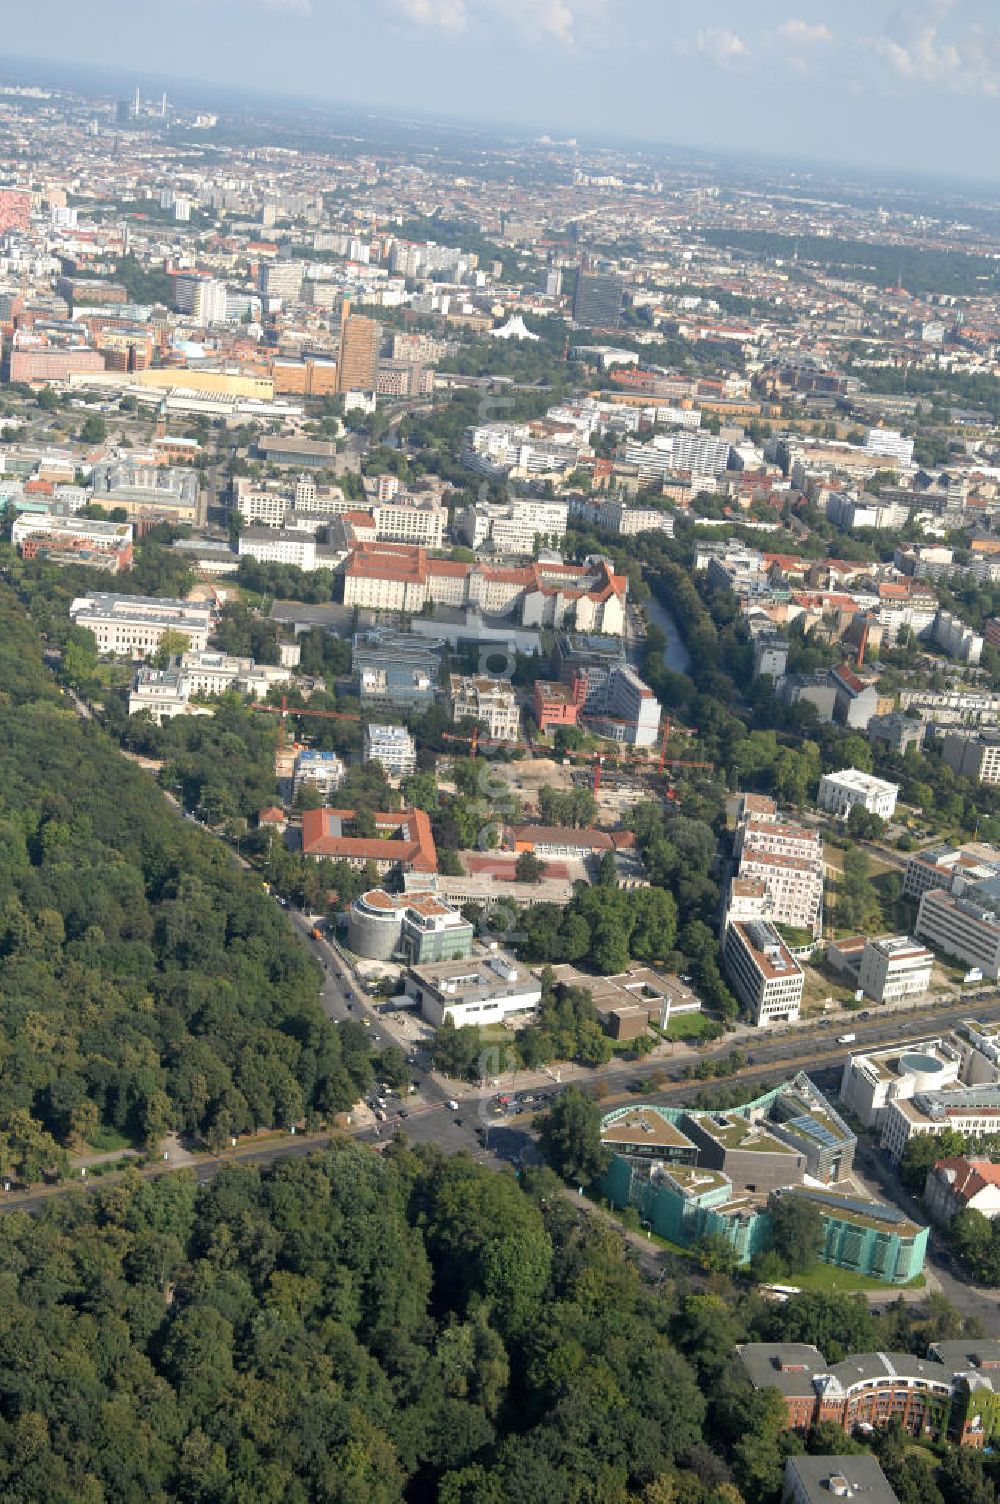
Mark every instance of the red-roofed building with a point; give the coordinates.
(403, 839)
(962, 1184)
(402, 577)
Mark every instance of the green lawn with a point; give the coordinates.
(827, 1277)
(105, 1140)
(689, 1026)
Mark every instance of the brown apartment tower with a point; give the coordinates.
(357, 368)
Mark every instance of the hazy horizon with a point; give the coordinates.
(871, 87)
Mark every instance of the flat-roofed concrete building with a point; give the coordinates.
(765, 977)
(628, 1003)
(874, 1079)
(417, 927)
(320, 770)
(473, 991)
(965, 928)
(973, 1111)
(818, 1480)
(951, 868)
(396, 668)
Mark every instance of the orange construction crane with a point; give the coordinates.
(285, 711)
(675, 762)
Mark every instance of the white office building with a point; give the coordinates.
(628, 712)
(393, 747)
(476, 991)
(973, 1111)
(764, 975)
(203, 298)
(133, 626)
(952, 868)
(277, 545)
(875, 1079)
(965, 928)
(893, 968)
(840, 792)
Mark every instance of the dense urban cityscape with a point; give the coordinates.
(500, 810)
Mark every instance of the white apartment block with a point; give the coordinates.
(512, 527)
(893, 968)
(746, 899)
(411, 521)
(132, 626)
(323, 771)
(793, 888)
(965, 706)
(785, 861)
(162, 694)
(956, 639)
(268, 508)
(966, 929)
(197, 675)
(840, 792)
(393, 747)
(215, 673)
(890, 444)
(276, 545)
(490, 701)
(320, 501)
(89, 530)
(779, 839)
(499, 449)
(764, 975)
(680, 451)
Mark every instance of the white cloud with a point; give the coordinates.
(722, 45)
(558, 20)
(443, 15)
(964, 61)
(804, 33)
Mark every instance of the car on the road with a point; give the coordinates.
(403, 1113)
(452, 1105)
(458, 1122)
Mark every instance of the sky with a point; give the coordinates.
(911, 86)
